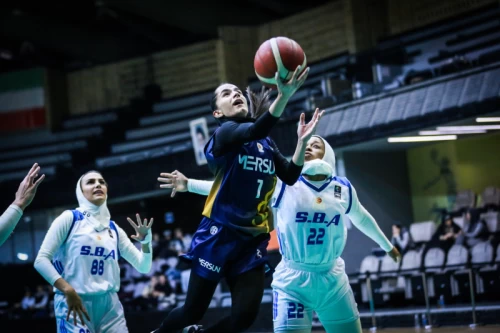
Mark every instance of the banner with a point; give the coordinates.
(199, 136)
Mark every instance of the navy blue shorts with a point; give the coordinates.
(218, 251)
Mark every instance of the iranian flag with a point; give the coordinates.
(22, 100)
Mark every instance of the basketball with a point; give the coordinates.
(279, 54)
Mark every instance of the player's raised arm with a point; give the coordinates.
(140, 260)
(365, 222)
(24, 195)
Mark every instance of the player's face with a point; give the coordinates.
(230, 102)
(315, 149)
(94, 188)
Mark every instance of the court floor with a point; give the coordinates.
(484, 329)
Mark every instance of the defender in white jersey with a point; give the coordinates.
(310, 225)
(79, 256)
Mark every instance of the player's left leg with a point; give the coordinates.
(113, 317)
(350, 327)
(340, 313)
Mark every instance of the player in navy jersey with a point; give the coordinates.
(310, 221)
(231, 239)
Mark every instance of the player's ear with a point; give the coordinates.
(217, 113)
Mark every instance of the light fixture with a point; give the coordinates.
(468, 128)
(421, 138)
(451, 132)
(487, 119)
(22, 256)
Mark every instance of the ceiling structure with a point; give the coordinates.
(82, 33)
(382, 145)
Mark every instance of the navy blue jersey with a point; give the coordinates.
(244, 183)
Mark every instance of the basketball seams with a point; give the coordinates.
(281, 54)
(264, 65)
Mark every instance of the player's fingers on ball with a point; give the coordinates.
(145, 222)
(138, 218)
(150, 224)
(167, 185)
(296, 72)
(277, 80)
(304, 74)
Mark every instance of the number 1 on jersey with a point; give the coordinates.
(261, 182)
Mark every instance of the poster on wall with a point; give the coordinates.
(199, 136)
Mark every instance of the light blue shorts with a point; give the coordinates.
(105, 312)
(297, 293)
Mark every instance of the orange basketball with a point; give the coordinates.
(279, 54)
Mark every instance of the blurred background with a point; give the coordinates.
(411, 91)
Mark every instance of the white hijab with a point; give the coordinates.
(99, 215)
(324, 166)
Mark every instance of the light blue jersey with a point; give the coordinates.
(88, 259)
(310, 219)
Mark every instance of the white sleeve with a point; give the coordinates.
(139, 260)
(363, 220)
(53, 240)
(8, 221)
(202, 187)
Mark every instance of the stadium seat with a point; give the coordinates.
(369, 267)
(410, 266)
(465, 199)
(422, 232)
(456, 268)
(434, 261)
(391, 284)
(490, 198)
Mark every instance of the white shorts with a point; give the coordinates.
(105, 312)
(297, 293)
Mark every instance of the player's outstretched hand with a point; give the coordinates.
(305, 131)
(75, 305)
(395, 255)
(287, 89)
(27, 189)
(141, 228)
(175, 180)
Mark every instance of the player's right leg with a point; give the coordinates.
(68, 326)
(290, 314)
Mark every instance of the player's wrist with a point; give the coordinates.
(20, 203)
(147, 238)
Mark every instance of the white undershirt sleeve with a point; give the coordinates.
(139, 260)
(363, 220)
(8, 222)
(202, 187)
(55, 237)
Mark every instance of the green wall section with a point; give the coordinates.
(437, 171)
